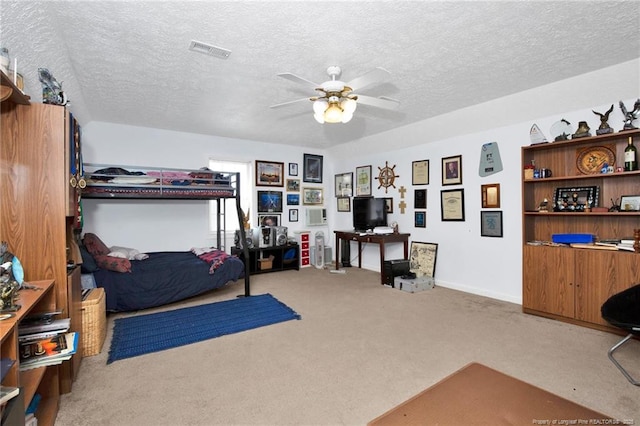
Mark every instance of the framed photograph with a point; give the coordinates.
(269, 220)
(293, 185)
(420, 198)
(312, 196)
(630, 203)
(293, 169)
(312, 170)
(422, 258)
(388, 201)
(452, 170)
(269, 202)
(491, 224)
(575, 199)
(420, 172)
(344, 204)
(420, 219)
(344, 184)
(363, 181)
(452, 204)
(293, 215)
(269, 173)
(293, 199)
(491, 196)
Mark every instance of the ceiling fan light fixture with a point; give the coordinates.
(320, 106)
(346, 116)
(333, 114)
(348, 105)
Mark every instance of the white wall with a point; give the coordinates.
(466, 261)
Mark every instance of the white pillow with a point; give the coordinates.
(127, 253)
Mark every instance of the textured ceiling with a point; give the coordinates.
(128, 61)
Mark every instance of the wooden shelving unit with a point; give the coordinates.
(567, 283)
(15, 95)
(43, 380)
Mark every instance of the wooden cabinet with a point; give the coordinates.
(284, 258)
(303, 239)
(43, 380)
(38, 159)
(570, 283)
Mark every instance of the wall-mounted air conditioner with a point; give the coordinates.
(316, 216)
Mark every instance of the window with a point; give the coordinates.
(231, 217)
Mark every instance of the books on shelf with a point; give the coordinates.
(7, 393)
(49, 351)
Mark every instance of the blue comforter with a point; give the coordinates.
(163, 278)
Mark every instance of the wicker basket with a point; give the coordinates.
(94, 322)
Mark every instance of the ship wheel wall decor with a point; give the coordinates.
(387, 176)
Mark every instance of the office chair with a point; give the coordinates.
(622, 310)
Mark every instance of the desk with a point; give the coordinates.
(380, 239)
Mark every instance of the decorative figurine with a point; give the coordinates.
(583, 130)
(51, 90)
(544, 206)
(604, 125)
(561, 130)
(630, 116)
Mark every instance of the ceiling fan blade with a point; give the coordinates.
(386, 103)
(289, 103)
(298, 79)
(376, 75)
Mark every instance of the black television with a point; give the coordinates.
(369, 212)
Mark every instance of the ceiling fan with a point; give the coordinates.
(337, 101)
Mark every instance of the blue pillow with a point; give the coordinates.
(89, 264)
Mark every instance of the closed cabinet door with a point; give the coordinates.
(548, 278)
(599, 275)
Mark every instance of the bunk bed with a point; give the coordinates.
(158, 278)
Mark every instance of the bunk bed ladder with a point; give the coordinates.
(243, 237)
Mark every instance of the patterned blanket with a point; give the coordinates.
(212, 256)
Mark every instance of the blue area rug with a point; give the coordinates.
(156, 332)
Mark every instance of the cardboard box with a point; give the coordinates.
(414, 285)
(264, 264)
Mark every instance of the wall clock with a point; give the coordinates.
(386, 176)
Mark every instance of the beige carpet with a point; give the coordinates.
(359, 350)
(477, 394)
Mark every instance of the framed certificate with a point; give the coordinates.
(452, 204)
(420, 172)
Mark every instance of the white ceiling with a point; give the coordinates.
(128, 61)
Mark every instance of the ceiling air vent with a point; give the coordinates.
(209, 49)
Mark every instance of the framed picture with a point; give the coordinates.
(452, 170)
(363, 181)
(420, 172)
(491, 224)
(420, 219)
(269, 173)
(420, 198)
(293, 215)
(575, 199)
(630, 203)
(344, 204)
(452, 204)
(422, 258)
(491, 196)
(312, 196)
(293, 169)
(269, 202)
(269, 220)
(312, 170)
(293, 199)
(388, 201)
(344, 184)
(293, 185)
